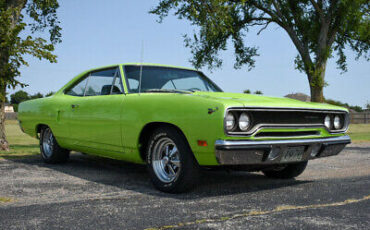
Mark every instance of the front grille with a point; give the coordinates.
(284, 117)
(261, 118)
(288, 134)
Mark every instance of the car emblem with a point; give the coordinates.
(212, 110)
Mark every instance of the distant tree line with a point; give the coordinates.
(329, 101)
(339, 103)
(247, 91)
(21, 96)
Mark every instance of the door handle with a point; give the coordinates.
(75, 106)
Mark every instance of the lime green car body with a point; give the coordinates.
(117, 126)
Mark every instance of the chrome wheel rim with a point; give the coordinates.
(166, 160)
(47, 143)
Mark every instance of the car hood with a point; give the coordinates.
(253, 100)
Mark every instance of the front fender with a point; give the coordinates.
(189, 113)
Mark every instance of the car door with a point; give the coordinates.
(94, 117)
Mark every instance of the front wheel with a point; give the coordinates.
(170, 161)
(286, 172)
(50, 150)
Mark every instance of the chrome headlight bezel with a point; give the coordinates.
(338, 124)
(230, 117)
(244, 121)
(327, 122)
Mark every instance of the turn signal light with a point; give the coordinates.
(202, 143)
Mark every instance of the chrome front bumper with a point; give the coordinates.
(245, 152)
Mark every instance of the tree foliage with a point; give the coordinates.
(19, 97)
(51, 93)
(36, 95)
(318, 29)
(346, 105)
(17, 40)
(13, 46)
(258, 92)
(248, 91)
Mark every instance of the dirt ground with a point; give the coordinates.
(96, 193)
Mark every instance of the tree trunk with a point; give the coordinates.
(15, 17)
(4, 145)
(317, 82)
(317, 94)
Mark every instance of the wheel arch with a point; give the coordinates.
(38, 129)
(148, 129)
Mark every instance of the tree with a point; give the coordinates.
(338, 103)
(258, 92)
(21, 96)
(18, 97)
(13, 46)
(247, 91)
(49, 94)
(317, 28)
(37, 95)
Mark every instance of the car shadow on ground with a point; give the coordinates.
(363, 149)
(127, 176)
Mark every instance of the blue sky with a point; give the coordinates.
(97, 33)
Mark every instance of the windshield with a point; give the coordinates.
(165, 79)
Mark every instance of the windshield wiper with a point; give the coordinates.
(166, 91)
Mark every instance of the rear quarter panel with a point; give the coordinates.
(43, 111)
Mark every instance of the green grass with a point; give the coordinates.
(359, 132)
(22, 145)
(6, 199)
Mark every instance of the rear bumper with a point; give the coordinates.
(244, 152)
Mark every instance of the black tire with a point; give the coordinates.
(55, 154)
(188, 172)
(287, 172)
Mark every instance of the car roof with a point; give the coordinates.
(72, 81)
(141, 64)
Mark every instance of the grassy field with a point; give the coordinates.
(359, 132)
(20, 143)
(23, 145)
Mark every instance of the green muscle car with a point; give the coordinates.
(178, 121)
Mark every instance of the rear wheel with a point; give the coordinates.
(170, 161)
(286, 172)
(50, 150)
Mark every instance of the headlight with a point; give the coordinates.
(337, 122)
(230, 121)
(244, 121)
(327, 122)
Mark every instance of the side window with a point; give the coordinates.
(117, 85)
(133, 85)
(189, 83)
(79, 89)
(103, 82)
(169, 85)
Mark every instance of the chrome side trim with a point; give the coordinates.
(293, 109)
(231, 144)
(318, 134)
(258, 127)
